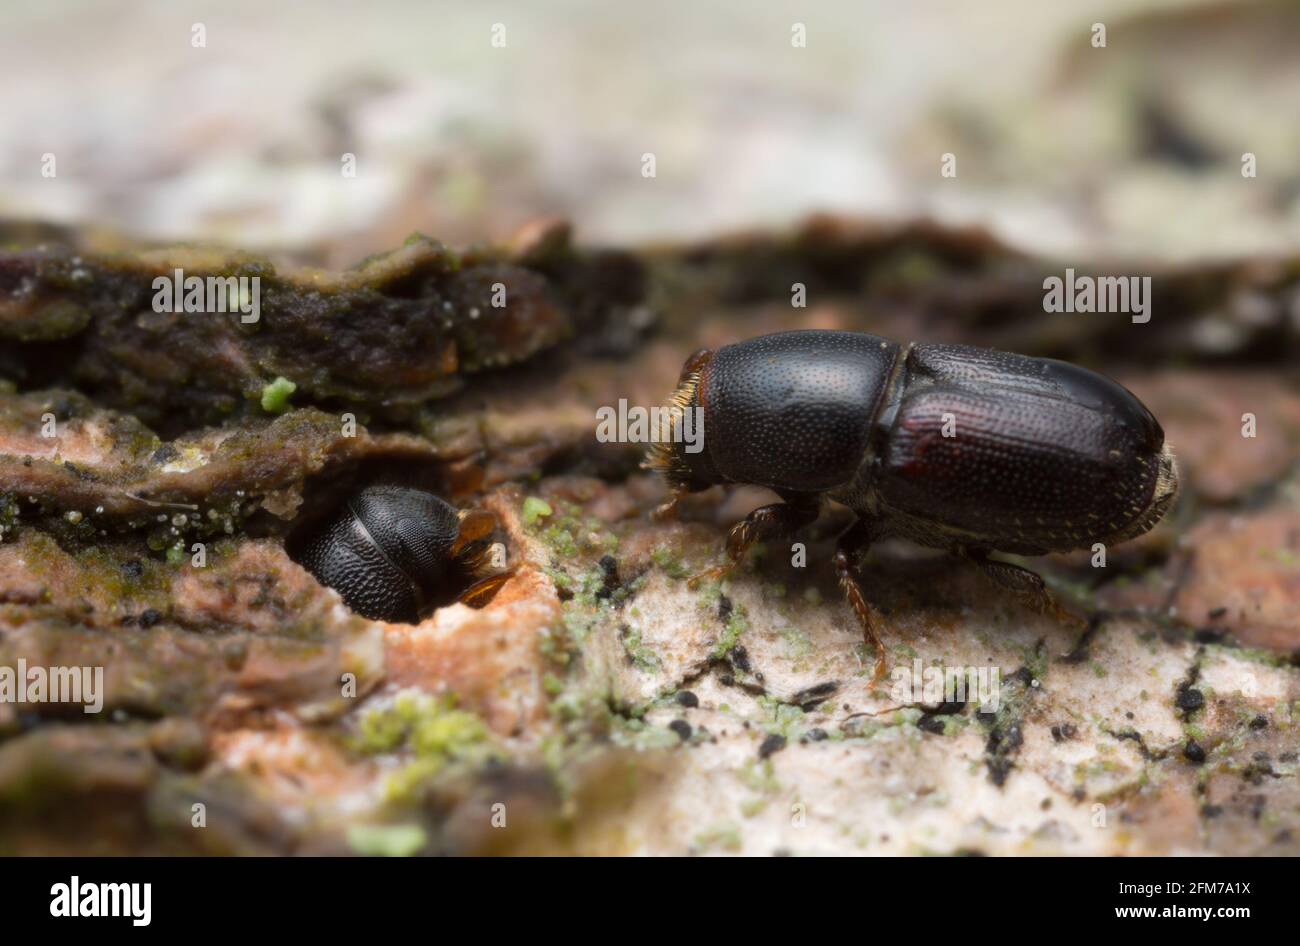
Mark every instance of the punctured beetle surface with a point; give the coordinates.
(954, 447)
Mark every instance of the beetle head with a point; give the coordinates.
(685, 471)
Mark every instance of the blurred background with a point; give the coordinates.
(1061, 147)
(1123, 158)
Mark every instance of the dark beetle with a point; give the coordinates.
(395, 553)
(951, 446)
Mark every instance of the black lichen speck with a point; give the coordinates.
(608, 577)
(774, 743)
(1189, 699)
(931, 724)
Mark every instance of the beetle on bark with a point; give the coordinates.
(954, 447)
(394, 553)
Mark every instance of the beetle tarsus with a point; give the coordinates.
(668, 511)
(852, 541)
(1028, 588)
(713, 574)
(766, 522)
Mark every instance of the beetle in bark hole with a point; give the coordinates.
(395, 553)
(954, 447)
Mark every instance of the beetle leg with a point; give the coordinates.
(482, 591)
(668, 510)
(764, 523)
(853, 540)
(1027, 586)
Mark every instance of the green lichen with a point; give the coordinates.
(560, 578)
(567, 533)
(585, 704)
(535, 510)
(631, 732)
(642, 657)
(1035, 659)
(952, 725)
(709, 596)
(580, 619)
(386, 840)
(426, 724)
(1265, 658)
(737, 624)
(669, 562)
(868, 727)
(798, 645)
(275, 396)
(557, 645)
(136, 582)
(562, 642)
(781, 719)
(560, 541)
(428, 729)
(724, 835)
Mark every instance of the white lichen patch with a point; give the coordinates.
(781, 745)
